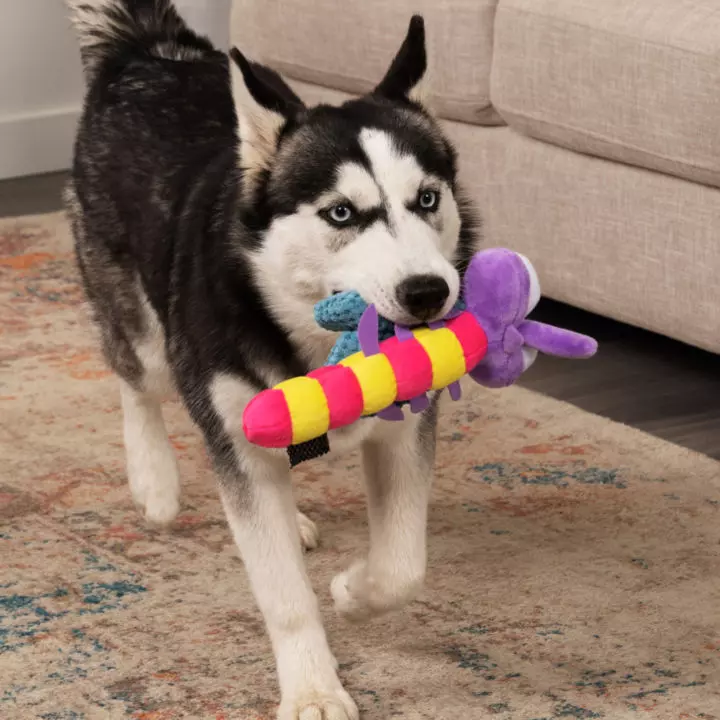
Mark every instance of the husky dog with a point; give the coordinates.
(211, 210)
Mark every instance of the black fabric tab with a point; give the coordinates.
(308, 450)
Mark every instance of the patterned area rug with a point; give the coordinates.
(574, 563)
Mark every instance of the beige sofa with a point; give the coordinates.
(588, 131)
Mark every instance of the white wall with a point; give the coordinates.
(40, 87)
(208, 17)
(41, 82)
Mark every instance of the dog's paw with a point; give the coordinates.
(162, 508)
(319, 705)
(359, 594)
(309, 533)
(156, 490)
(350, 595)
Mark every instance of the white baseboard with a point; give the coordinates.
(37, 143)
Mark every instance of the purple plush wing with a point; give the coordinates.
(368, 331)
(392, 413)
(557, 341)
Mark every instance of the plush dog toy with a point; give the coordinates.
(375, 366)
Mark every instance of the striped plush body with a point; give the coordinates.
(333, 396)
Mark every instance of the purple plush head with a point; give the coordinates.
(501, 289)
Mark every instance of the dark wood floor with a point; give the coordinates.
(646, 381)
(32, 195)
(649, 382)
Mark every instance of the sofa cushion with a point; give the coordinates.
(631, 80)
(349, 46)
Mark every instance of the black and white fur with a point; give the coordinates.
(207, 224)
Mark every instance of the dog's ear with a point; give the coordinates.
(405, 78)
(264, 105)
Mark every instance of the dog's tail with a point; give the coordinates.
(107, 29)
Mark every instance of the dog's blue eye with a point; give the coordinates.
(340, 214)
(428, 199)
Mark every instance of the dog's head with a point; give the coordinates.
(360, 196)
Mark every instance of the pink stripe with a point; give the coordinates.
(342, 392)
(411, 365)
(471, 336)
(266, 420)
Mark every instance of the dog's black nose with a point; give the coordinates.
(423, 295)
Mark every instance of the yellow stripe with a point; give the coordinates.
(376, 378)
(352, 360)
(445, 353)
(309, 411)
(377, 382)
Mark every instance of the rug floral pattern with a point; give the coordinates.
(574, 563)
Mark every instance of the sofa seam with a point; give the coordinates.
(593, 136)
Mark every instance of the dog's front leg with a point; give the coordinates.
(261, 512)
(258, 500)
(398, 461)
